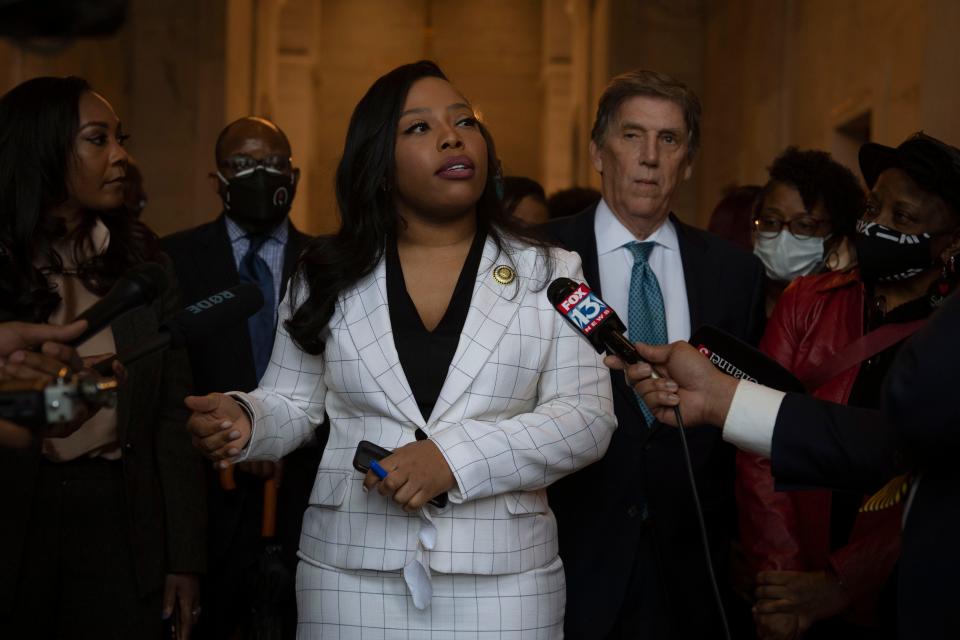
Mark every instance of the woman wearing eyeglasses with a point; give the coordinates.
(803, 217)
(823, 557)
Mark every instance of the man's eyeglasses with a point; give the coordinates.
(802, 227)
(241, 163)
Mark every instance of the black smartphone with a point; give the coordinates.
(367, 452)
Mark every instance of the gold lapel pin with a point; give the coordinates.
(504, 274)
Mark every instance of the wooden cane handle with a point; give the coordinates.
(227, 482)
(269, 528)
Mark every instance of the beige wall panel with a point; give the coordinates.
(360, 41)
(790, 72)
(494, 57)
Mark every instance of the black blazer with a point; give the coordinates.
(823, 444)
(204, 261)
(641, 488)
(162, 472)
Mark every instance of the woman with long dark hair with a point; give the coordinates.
(423, 327)
(103, 528)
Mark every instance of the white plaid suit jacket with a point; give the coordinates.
(526, 401)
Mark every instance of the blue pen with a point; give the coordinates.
(377, 469)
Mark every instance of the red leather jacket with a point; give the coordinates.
(816, 317)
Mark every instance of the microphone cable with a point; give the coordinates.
(701, 521)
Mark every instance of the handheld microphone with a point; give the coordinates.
(139, 286)
(598, 323)
(593, 318)
(195, 322)
(736, 358)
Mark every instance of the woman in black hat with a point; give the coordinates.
(839, 332)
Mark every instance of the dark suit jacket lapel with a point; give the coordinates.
(692, 255)
(578, 235)
(583, 240)
(130, 330)
(214, 260)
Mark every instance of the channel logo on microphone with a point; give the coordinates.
(725, 365)
(585, 310)
(206, 303)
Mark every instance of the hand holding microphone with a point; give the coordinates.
(680, 373)
(20, 368)
(39, 387)
(42, 389)
(689, 380)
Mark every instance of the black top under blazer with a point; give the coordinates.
(641, 488)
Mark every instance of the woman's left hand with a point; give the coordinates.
(416, 472)
(182, 589)
(810, 595)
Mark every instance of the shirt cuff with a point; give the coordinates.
(752, 417)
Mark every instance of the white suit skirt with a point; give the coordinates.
(339, 604)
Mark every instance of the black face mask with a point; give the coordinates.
(887, 254)
(258, 199)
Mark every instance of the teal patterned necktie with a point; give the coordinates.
(646, 320)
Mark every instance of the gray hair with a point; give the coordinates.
(642, 82)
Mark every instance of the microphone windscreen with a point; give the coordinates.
(150, 277)
(221, 310)
(137, 287)
(559, 289)
(740, 360)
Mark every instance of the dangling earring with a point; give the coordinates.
(947, 272)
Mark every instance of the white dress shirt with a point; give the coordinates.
(616, 265)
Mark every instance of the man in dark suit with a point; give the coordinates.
(813, 442)
(253, 240)
(629, 535)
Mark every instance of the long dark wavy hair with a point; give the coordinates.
(39, 121)
(365, 184)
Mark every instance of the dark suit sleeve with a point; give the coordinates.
(181, 473)
(921, 388)
(823, 444)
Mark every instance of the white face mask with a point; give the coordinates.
(786, 256)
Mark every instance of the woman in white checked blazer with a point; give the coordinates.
(424, 327)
